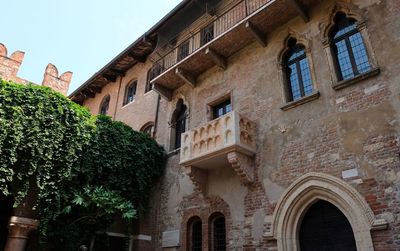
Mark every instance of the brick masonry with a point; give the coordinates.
(9, 67)
(355, 128)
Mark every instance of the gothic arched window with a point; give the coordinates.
(348, 48)
(105, 103)
(297, 71)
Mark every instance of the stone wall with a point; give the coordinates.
(351, 133)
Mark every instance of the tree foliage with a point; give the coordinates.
(42, 135)
(116, 172)
(84, 171)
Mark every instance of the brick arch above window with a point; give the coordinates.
(204, 208)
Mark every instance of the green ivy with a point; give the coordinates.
(42, 136)
(78, 172)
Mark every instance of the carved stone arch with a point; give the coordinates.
(349, 9)
(300, 38)
(307, 190)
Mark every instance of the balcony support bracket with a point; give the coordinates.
(217, 58)
(243, 165)
(199, 177)
(164, 92)
(259, 36)
(186, 77)
(300, 9)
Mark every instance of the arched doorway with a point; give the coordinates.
(6, 206)
(325, 228)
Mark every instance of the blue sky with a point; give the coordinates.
(75, 35)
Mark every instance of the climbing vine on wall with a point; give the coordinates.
(75, 172)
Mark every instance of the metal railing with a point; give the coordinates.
(207, 34)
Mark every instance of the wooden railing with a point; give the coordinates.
(207, 34)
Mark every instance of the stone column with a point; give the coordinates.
(19, 229)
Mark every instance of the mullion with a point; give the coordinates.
(351, 56)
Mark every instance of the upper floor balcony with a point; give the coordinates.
(226, 33)
(227, 140)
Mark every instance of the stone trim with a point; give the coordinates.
(315, 95)
(345, 83)
(318, 186)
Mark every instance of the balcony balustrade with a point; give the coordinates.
(227, 140)
(227, 33)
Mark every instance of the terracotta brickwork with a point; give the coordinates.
(346, 137)
(9, 67)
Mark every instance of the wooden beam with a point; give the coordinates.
(164, 92)
(111, 78)
(260, 36)
(118, 72)
(89, 94)
(137, 57)
(300, 9)
(95, 89)
(217, 58)
(186, 77)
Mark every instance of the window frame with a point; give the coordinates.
(212, 231)
(126, 94)
(296, 61)
(190, 226)
(106, 99)
(329, 24)
(315, 94)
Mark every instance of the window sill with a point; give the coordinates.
(126, 105)
(315, 95)
(344, 83)
(173, 152)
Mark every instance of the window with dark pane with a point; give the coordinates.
(219, 234)
(180, 124)
(105, 103)
(222, 109)
(298, 73)
(130, 92)
(348, 48)
(148, 129)
(150, 76)
(183, 50)
(196, 235)
(207, 34)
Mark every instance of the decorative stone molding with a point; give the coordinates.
(199, 178)
(19, 230)
(228, 140)
(243, 165)
(318, 186)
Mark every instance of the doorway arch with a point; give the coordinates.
(309, 189)
(324, 227)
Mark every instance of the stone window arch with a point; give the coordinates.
(104, 105)
(297, 71)
(347, 45)
(217, 232)
(178, 124)
(311, 188)
(130, 92)
(148, 128)
(194, 234)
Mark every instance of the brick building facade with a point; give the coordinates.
(281, 119)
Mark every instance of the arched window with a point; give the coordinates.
(150, 76)
(348, 48)
(217, 232)
(325, 227)
(105, 103)
(178, 123)
(195, 234)
(148, 128)
(297, 71)
(130, 92)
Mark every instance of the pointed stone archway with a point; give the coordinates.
(307, 190)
